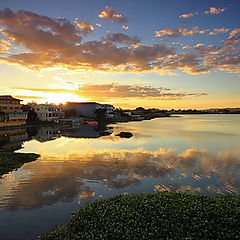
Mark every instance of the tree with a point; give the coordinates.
(101, 114)
(32, 116)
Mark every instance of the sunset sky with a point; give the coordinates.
(130, 53)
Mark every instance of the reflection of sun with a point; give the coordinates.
(61, 98)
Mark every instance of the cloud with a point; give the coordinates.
(225, 62)
(103, 92)
(29, 97)
(199, 45)
(56, 42)
(112, 15)
(110, 91)
(214, 10)
(215, 31)
(38, 33)
(225, 58)
(234, 38)
(186, 15)
(179, 32)
(125, 27)
(4, 46)
(44, 42)
(121, 38)
(188, 62)
(84, 26)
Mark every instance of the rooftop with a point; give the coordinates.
(43, 105)
(9, 97)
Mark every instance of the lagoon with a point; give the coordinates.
(189, 153)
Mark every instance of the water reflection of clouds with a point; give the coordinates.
(65, 177)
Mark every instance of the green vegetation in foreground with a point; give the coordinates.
(10, 161)
(153, 217)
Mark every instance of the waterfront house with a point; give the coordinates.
(47, 112)
(11, 113)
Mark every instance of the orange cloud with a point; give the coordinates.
(4, 46)
(215, 10)
(234, 37)
(176, 32)
(179, 32)
(186, 15)
(55, 42)
(112, 15)
(84, 26)
(188, 62)
(103, 92)
(212, 10)
(110, 91)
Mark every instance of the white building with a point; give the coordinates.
(47, 112)
(110, 110)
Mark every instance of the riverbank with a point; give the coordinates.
(10, 161)
(154, 216)
(126, 118)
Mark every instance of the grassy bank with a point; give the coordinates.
(10, 161)
(153, 217)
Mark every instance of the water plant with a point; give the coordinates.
(154, 216)
(10, 161)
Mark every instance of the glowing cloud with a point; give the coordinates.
(179, 32)
(187, 15)
(45, 42)
(215, 10)
(103, 92)
(112, 15)
(212, 10)
(4, 46)
(84, 26)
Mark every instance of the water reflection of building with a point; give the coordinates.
(83, 109)
(87, 131)
(45, 134)
(11, 113)
(12, 139)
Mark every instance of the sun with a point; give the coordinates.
(58, 98)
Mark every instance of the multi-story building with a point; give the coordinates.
(88, 109)
(11, 113)
(83, 109)
(47, 112)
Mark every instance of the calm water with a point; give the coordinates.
(192, 153)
